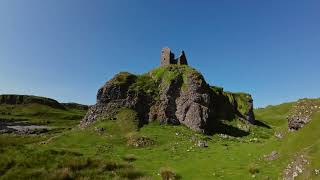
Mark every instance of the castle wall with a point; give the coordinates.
(182, 60)
(167, 58)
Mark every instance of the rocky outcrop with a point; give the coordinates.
(184, 99)
(14, 99)
(230, 105)
(301, 113)
(110, 98)
(172, 94)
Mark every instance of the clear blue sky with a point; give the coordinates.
(67, 49)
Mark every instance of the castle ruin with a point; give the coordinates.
(167, 58)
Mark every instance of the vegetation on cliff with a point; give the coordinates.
(174, 94)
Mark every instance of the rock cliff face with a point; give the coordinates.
(173, 94)
(231, 105)
(184, 98)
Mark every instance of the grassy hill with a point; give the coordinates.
(39, 110)
(116, 149)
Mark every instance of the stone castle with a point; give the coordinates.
(167, 57)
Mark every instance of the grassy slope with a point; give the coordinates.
(86, 152)
(303, 142)
(41, 114)
(223, 158)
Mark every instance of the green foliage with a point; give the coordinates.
(135, 140)
(170, 73)
(217, 89)
(145, 84)
(130, 173)
(123, 78)
(242, 102)
(253, 169)
(231, 105)
(167, 174)
(127, 120)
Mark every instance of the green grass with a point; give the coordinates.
(165, 75)
(123, 78)
(303, 142)
(41, 114)
(145, 84)
(240, 101)
(86, 153)
(174, 146)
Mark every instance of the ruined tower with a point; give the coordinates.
(167, 58)
(182, 59)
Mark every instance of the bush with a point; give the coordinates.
(168, 174)
(78, 164)
(110, 166)
(127, 120)
(253, 169)
(139, 141)
(130, 173)
(61, 174)
(5, 165)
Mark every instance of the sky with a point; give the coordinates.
(67, 50)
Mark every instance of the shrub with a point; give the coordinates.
(61, 174)
(128, 120)
(5, 165)
(168, 174)
(77, 164)
(253, 169)
(112, 166)
(139, 141)
(130, 173)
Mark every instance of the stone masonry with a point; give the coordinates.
(167, 58)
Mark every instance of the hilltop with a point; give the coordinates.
(173, 93)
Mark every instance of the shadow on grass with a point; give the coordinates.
(261, 124)
(221, 128)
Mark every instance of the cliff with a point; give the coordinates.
(172, 94)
